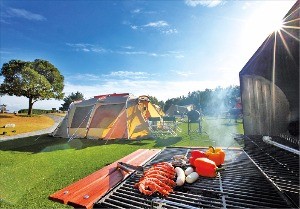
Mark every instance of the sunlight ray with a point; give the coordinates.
(293, 27)
(291, 14)
(296, 38)
(285, 44)
(273, 96)
(285, 22)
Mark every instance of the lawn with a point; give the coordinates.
(33, 168)
(23, 123)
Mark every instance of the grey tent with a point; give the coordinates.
(178, 110)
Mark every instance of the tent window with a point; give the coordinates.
(81, 117)
(105, 115)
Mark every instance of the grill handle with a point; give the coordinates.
(268, 140)
(128, 168)
(161, 202)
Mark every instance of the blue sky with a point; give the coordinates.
(159, 48)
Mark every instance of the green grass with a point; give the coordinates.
(35, 167)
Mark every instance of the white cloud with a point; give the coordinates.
(162, 90)
(183, 73)
(81, 47)
(161, 26)
(128, 74)
(134, 27)
(136, 11)
(139, 11)
(152, 54)
(205, 3)
(86, 77)
(132, 52)
(157, 24)
(115, 75)
(17, 103)
(86, 47)
(22, 13)
(128, 47)
(169, 31)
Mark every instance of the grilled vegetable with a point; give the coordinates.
(195, 154)
(206, 167)
(216, 154)
(192, 160)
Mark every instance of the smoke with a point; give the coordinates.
(219, 126)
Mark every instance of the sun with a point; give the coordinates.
(268, 21)
(277, 26)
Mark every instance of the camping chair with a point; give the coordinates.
(170, 125)
(155, 126)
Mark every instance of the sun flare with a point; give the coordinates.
(277, 26)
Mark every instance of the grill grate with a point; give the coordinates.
(281, 166)
(240, 185)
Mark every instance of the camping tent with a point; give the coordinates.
(178, 110)
(112, 116)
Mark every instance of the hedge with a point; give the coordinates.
(36, 111)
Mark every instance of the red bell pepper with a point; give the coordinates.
(206, 167)
(196, 154)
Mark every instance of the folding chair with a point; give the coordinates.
(170, 125)
(155, 126)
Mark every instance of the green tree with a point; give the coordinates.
(71, 98)
(37, 80)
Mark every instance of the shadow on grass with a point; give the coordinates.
(45, 143)
(167, 141)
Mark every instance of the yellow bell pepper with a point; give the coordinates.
(216, 154)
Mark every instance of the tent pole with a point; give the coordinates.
(89, 120)
(73, 136)
(126, 106)
(69, 108)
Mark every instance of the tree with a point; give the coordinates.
(69, 99)
(37, 80)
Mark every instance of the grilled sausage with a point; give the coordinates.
(188, 171)
(180, 176)
(191, 178)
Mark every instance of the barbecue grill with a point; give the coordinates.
(243, 184)
(264, 173)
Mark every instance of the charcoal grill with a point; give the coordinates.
(260, 174)
(279, 165)
(242, 184)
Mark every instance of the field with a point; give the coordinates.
(23, 123)
(32, 169)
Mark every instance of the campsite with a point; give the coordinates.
(44, 165)
(133, 104)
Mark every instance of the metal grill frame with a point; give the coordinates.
(241, 185)
(277, 164)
